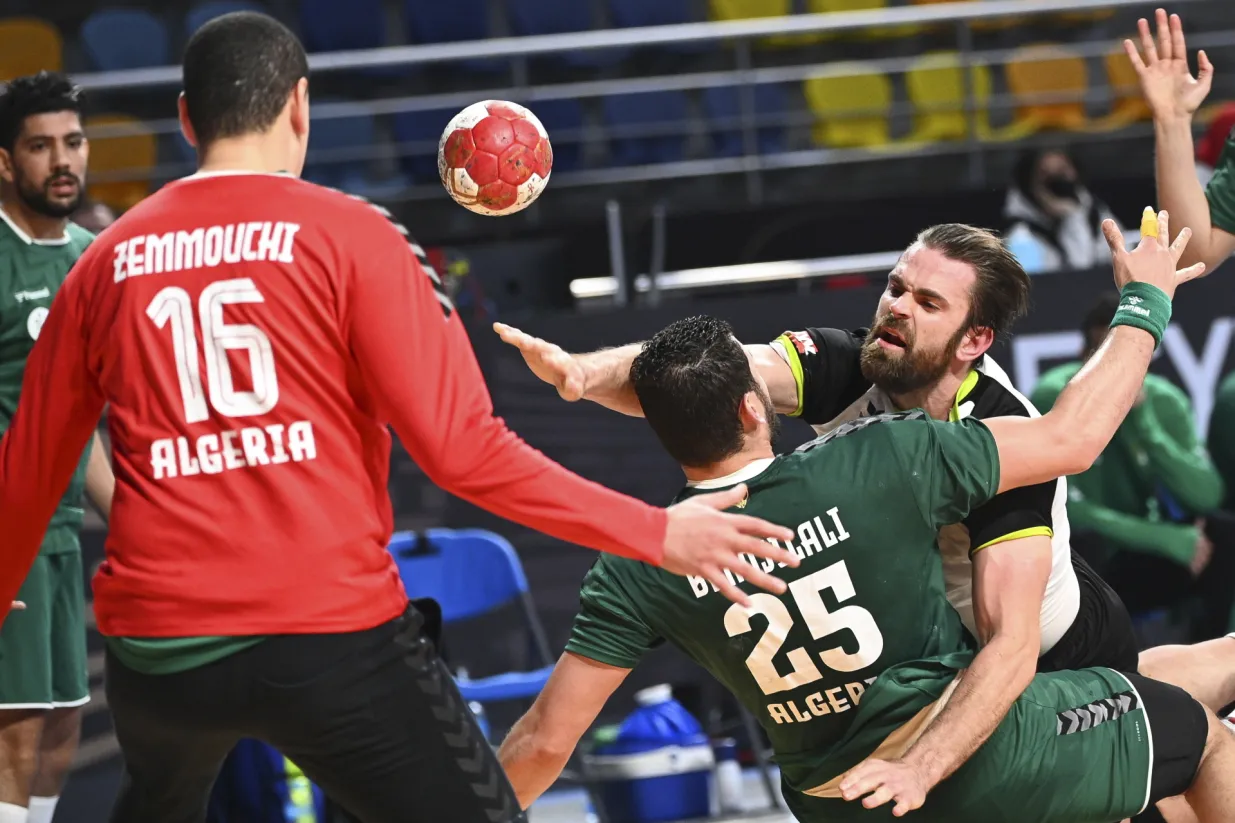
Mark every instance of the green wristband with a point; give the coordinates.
(1144, 306)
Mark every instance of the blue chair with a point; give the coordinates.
(116, 39)
(434, 21)
(334, 143)
(633, 13)
(558, 17)
(203, 13)
(424, 128)
(331, 25)
(472, 572)
(662, 112)
(723, 108)
(563, 120)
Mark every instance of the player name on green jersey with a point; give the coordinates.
(813, 537)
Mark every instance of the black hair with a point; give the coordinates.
(42, 93)
(690, 379)
(239, 69)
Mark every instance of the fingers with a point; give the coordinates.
(1177, 248)
(1147, 42)
(1164, 229)
(877, 798)
(1114, 238)
(1191, 273)
(862, 778)
(519, 339)
(1179, 49)
(770, 551)
(1204, 71)
(757, 577)
(1135, 56)
(1164, 35)
(731, 592)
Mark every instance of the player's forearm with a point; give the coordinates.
(1085, 417)
(607, 378)
(1179, 190)
(100, 481)
(530, 763)
(987, 689)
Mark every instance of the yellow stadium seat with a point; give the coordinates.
(750, 9)
(1128, 104)
(851, 105)
(29, 45)
(834, 6)
(1048, 82)
(125, 162)
(936, 87)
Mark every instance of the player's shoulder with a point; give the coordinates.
(810, 340)
(988, 392)
(79, 238)
(861, 430)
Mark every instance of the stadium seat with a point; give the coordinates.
(851, 106)
(835, 6)
(433, 21)
(663, 112)
(563, 120)
(131, 156)
(470, 573)
(118, 39)
(423, 128)
(633, 13)
(336, 154)
(558, 17)
(330, 25)
(936, 87)
(752, 9)
(723, 106)
(203, 13)
(29, 45)
(1128, 105)
(1049, 83)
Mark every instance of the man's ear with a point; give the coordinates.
(975, 343)
(752, 412)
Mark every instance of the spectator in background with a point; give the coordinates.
(93, 216)
(1139, 510)
(1054, 222)
(1209, 147)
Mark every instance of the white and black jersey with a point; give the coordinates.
(832, 391)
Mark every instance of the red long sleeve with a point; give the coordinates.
(59, 408)
(417, 358)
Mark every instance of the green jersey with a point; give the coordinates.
(862, 652)
(31, 272)
(819, 665)
(1221, 189)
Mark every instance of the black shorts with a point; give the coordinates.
(1102, 633)
(1179, 727)
(372, 717)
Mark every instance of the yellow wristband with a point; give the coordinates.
(1149, 223)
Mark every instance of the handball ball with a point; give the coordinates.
(494, 158)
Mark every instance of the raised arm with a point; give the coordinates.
(604, 376)
(416, 359)
(1173, 95)
(1069, 438)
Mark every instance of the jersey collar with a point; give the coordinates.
(748, 472)
(27, 239)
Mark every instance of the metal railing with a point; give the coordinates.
(742, 35)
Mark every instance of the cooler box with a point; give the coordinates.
(658, 768)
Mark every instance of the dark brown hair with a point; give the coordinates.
(1001, 293)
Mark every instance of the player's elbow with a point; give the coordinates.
(1077, 448)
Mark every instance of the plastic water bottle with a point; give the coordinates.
(728, 777)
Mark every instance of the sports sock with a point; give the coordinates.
(42, 809)
(12, 813)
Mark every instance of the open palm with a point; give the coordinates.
(1162, 66)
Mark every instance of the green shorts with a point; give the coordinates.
(43, 647)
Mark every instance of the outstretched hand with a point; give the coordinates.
(548, 361)
(1166, 81)
(1154, 260)
(880, 781)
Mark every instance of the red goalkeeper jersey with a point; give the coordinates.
(253, 336)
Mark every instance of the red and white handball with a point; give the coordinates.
(494, 158)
